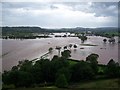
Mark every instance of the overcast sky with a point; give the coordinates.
(60, 14)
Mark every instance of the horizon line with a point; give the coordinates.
(63, 27)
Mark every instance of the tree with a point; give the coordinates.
(18, 78)
(65, 47)
(75, 46)
(70, 46)
(26, 65)
(37, 72)
(111, 40)
(92, 59)
(83, 38)
(25, 79)
(50, 49)
(46, 70)
(66, 54)
(65, 71)
(105, 40)
(81, 71)
(14, 68)
(61, 81)
(5, 78)
(56, 64)
(113, 69)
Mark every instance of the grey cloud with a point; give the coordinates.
(10, 17)
(99, 8)
(25, 5)
(105, 8)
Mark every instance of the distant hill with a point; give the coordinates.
(44, 30)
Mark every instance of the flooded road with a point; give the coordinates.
(16, 50)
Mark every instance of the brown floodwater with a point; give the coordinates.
(16, 50)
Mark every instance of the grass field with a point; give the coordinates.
(72, 62)
(108, 84)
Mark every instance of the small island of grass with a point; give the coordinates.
(88, 45)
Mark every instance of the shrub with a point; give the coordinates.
(61, 81)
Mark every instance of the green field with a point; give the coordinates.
(110, 83)
(72, 62)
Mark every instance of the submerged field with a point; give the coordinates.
(16, 50)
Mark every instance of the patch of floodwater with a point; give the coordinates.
(34, 48)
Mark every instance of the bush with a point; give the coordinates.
(7, 87)
(92, 59)
(64, 71)
(61, 81)
(81, 71)
(113, 69)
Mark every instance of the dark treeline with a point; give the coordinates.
(12, 30)
(28, 36)
(22, 32)
(25, 30)
(39, 29)
(107, 32)
(60, 71)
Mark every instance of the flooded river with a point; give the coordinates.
(16, 50)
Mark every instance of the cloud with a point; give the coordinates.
(62, 14)
(59, 0)
(105, 8)
(99, 8)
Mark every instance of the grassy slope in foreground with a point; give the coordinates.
(108, 84)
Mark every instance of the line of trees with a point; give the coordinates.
(59, 71)
(23, 36)
(111, 40)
